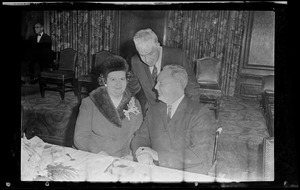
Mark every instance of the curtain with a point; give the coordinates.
(88, 32)
(217, 34)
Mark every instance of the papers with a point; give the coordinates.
(46, 162)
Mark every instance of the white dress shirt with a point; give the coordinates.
(158, 63)
(175, 105)
(39, 37)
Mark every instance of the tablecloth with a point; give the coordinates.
(42, 161)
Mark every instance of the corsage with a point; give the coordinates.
(131, 108)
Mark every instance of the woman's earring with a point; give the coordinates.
(105, 85)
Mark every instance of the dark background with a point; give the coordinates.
(286, 135)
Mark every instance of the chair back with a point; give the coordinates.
(99, 59)
(208, 71)
(268, 83)
(67, 59)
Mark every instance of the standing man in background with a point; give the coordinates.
(42, 53)
(151, 58)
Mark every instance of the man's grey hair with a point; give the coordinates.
(179, 74)
(145, 35)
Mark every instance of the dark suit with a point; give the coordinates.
(41, 51)
(142, 79)
(185, 142)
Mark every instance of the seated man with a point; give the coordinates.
(182, 138)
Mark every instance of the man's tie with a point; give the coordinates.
(169, 110)
(154, 72)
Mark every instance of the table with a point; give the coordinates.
(42, 161)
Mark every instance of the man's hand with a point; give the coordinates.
(145, 158)
(146, 155)
(127, 157)
(102, 153)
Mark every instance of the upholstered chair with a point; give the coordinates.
(267, 101)
(58, 80)
(208, 74)
(267, 90)
(268, 158)
(86, 83)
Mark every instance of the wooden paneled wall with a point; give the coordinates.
(29, 18)
(257, 56)
(132, 21)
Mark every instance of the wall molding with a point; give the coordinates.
(245, 66)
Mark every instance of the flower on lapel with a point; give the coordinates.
(131, 108)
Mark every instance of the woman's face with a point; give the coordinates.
(116, 83)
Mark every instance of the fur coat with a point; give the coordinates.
(102, 127)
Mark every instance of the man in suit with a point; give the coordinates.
(41, 46)
(151, 58)
(176, 132)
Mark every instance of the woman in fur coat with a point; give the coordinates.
(109, 116)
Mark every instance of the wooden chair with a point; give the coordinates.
(267, 101)
(268, 158)
(267, 91)
(64, 75)
(208, 74)
(89, 81)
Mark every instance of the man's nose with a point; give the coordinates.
(146, 58)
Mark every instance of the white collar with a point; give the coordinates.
(175, 105)
(158, 63)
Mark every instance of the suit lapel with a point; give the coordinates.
(42, 38)
(163, 113)
(178, 115)
(147, 72)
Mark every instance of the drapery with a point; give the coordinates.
(88, 32)
(217, 34)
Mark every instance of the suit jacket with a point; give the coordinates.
(42, 50)
(45, 41)
(185, 142)
(141, 78)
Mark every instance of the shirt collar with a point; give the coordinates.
(158, 63)
(176, 104)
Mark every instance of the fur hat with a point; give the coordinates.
(114, 63)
